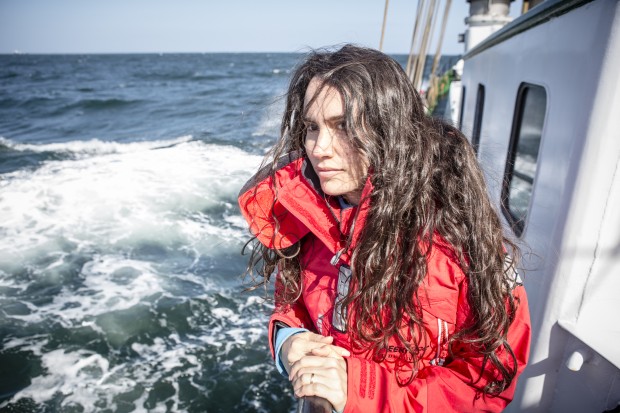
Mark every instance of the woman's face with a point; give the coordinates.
(341, 168)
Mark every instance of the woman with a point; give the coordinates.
(394, 290)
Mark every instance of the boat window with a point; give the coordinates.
(462, 108)
(475, 135)
(522, 158)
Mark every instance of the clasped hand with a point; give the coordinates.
(316, 367)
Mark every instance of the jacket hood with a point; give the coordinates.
(284, 202)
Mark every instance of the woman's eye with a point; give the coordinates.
(342, 126)
(311, 127)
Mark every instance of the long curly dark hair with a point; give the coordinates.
(427, 183)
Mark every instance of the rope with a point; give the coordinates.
(417, 80)
(440, 42)
(414, 36)
(383, 27)
(439, 87)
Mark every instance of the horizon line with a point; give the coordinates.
(20, 53)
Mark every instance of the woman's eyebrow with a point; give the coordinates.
(335, 118)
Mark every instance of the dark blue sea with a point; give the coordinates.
(120, 235)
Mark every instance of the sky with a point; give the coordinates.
(188, 26)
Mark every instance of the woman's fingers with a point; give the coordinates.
(330, 351)
(297, 346)
(317, 367)
(302, 344)
(312, 364)
(326, 376)
(319, 338)
(328, 383)
(312, 388)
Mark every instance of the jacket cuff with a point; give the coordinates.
(281, 335)
(278, 321)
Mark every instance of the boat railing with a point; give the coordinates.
(314, 404)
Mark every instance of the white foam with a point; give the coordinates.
(119, 200)
(225, 313)
(74, 374)
(100, 207)
(100, 293)
(83, 377)
(93, 146)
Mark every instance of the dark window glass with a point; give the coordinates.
(462, 108)
(475, 135)
(523, 154)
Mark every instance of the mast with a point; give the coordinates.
(385, 11)
(441, 33)
(414, 36)
(418, 69)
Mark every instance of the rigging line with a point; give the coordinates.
(414, 38)
(433, 92)
(385, 12)
(441, 34)
(424, 46)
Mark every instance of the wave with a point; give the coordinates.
(103, 104)
(131, 254)
(184, 76)
(173, 361)
(30, 103)
(6, 144)
(138, 194)
(9, 75)
(152, 337)
(213, 76)
(91, 147)
(39, 102)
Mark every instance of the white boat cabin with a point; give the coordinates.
(541, 102)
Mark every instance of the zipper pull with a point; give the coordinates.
(336, 257)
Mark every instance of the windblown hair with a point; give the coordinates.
(427, 183)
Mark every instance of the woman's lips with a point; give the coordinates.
(328, 172)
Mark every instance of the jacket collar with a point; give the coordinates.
(296, 199)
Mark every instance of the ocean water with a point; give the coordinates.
(120, 235)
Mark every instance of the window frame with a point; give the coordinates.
(516, 223)
(478, 115)
(461, 113)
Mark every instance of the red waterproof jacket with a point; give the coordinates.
(441, 383)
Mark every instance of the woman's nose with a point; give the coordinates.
(324, 143)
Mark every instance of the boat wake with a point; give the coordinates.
(119, 280)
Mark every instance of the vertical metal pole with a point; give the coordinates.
(409, 69)
(417, 80)
(439, 43)
(314, 404)
(383, 27)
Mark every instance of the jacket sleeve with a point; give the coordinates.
(455, 386)
(294, 315)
